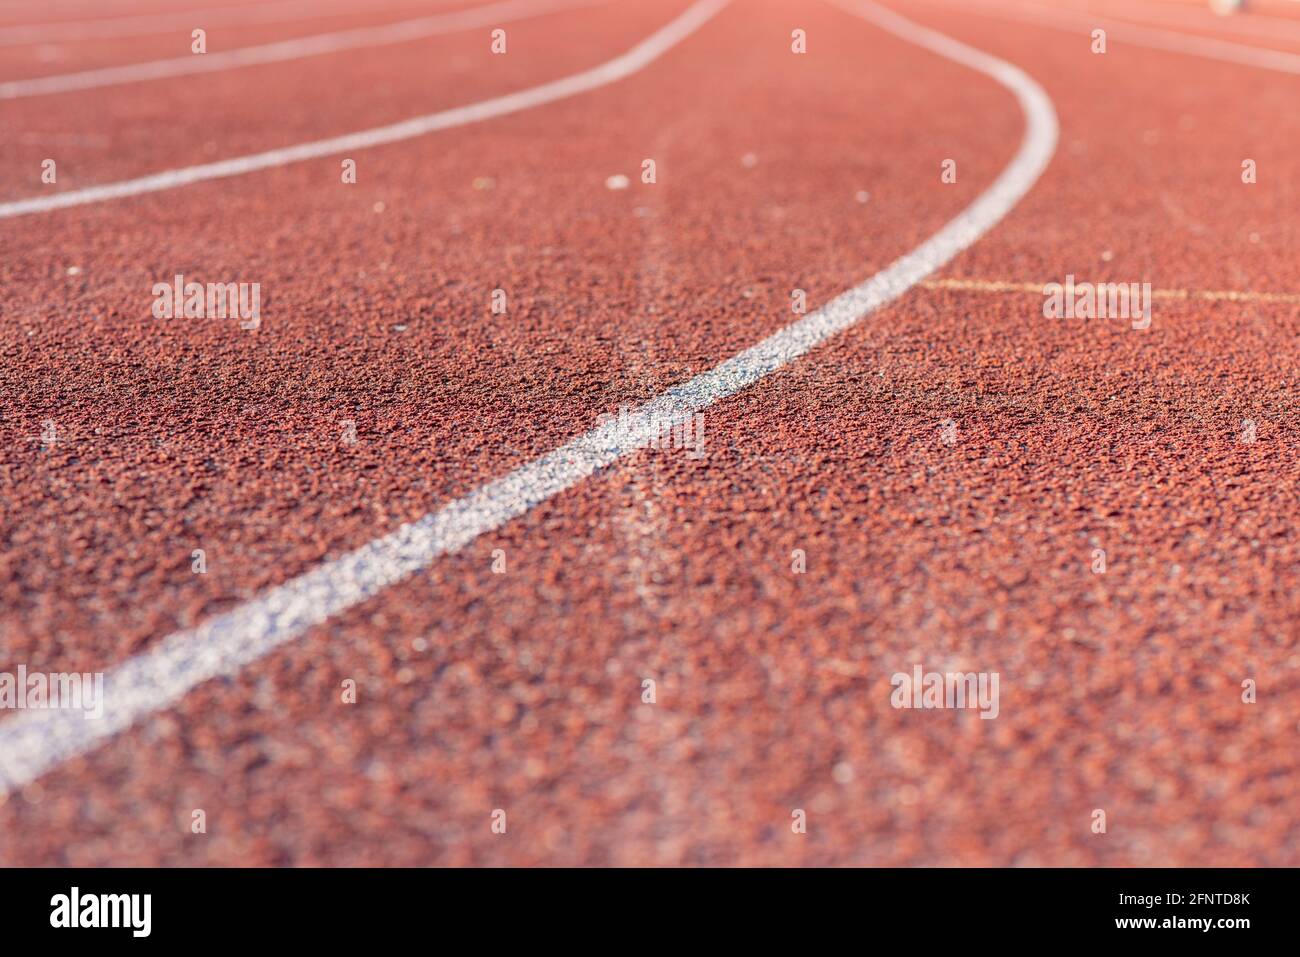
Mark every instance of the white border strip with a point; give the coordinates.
(153, 681)
(640, 56)
(298, 48)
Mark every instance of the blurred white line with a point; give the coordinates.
(297, 48)
(150, 24)
(609, 72)
(1250, 24)
(1149, 37)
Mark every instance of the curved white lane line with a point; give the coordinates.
(641, 55)
(38, 740)
(298, 48)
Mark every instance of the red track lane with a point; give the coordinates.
(621, 293)
(86, 12)
(522, 691)
(1184, 12)
(1162, 17)
(120, 132)
(172, 38)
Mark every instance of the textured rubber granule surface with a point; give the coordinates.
(948, 469)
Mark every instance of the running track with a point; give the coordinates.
(947, 459)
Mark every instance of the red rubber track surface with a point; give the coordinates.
(91, 13)
(522, 691)
(24, 60)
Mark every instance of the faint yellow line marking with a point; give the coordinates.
(987, 285)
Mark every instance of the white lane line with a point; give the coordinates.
(37, 741)
(403, 31)
(151, 24)
(622, 66)
(1150, 37)
(1203, 18)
